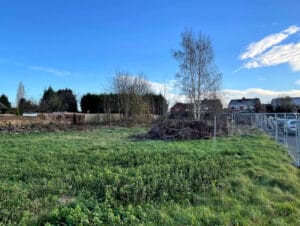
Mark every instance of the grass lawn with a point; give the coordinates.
(102, 177)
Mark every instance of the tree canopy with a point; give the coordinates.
(27, 106)
(4, 100)
(62, 100)
(109, 103)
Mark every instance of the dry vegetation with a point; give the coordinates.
(173, 129)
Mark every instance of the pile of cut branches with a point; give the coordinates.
(171, 129)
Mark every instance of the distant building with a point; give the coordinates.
(206, 106)
(2, 107)
(181, 111)
(211, 105)
(286, 104)
(245, 105)
(181, 108)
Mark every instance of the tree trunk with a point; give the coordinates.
(195, 110)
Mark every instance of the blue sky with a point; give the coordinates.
(79, 44)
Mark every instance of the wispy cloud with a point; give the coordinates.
(50, 70)
(266, 53)
(262, 79)
(289, 53)
(256, 48)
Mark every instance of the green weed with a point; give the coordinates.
(102, 177)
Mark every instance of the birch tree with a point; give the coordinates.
(198, 76)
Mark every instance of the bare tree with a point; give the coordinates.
(120, 86)
(130, 90)
(20, 93)
(198, 76)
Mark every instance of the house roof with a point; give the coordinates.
(210, 101)
(246, 101)
(2, 106)
(181, 105)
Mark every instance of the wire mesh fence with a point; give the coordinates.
(283, 127)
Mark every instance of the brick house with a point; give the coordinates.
(181, 108)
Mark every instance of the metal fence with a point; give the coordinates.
(283, 127)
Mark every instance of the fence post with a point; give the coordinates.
(215, 127)
(260, 120)
(232, 123)
(285, 131)
(276, 128)
(297, 143)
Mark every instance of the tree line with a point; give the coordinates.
(62, 100)
(112, 103)
(131, 96)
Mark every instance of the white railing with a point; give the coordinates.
(283, 127)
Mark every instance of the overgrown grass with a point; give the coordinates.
(102, 177)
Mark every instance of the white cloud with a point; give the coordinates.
(162, 87)
(168, 89)
(50, 70)
(266, 52)
(256, 48)
(289, 53)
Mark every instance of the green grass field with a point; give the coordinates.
(102, 177)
